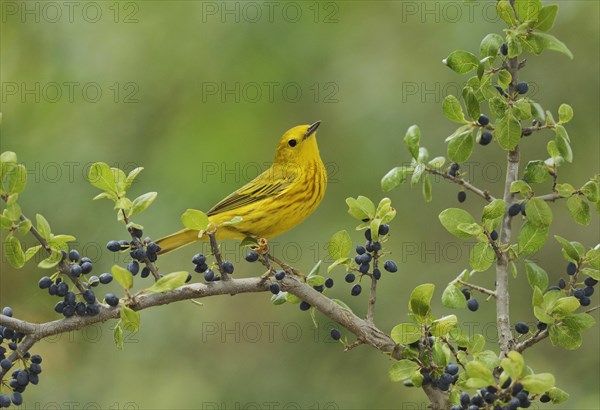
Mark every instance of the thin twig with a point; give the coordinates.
(373, 291)
(217, 254)
(477, 288)
(466, 184)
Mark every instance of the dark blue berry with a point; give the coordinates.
(23, 378)
(473, 305)
(4, 400)
(111, 299)
(590, 281)
(446, 378)
(376, 274)
(280, 274)
(384, 229)
(16, 398)
(5, 364)
(335, 334)
(138, 233)
(360, 249)
(390, 266)
(319, 288)
(304, 306)
(477, 400)
(146, 272)
(579, 293)
(545, 398)
(94, 281)
(464, 398)
(466, 292)
(7, 311)
(462, 196)
(585, 301)
(227, 267)
(483, 120)
(209, 275)
(252, 256)
(328, 283)
(75, 270)
(45, 282)
(356, 289)
(89, 296)
(517, 387)
(486, 138)
(86, 267)
(562, 283)
(84, 260)
(494, 235)
(92, 310)
(454, 166)
(524, 208)
(113, 246)
(350, 277)
(522, 328)
(105, 278)
(69, 310)
(152, 248)
(514, 209)
(70, 298)
(36, 358)
(80, 309)
(368, 234)
(541, 326)
(133, 267)
(571, 268)
(274, 288)
(375, 247)
(62, 289)
(588, 291)
(73, 255)
(451, 369)
(198, 259)
(504, 49)
(522, 88)
(363, 268)
(506, 383)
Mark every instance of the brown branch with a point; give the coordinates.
(477, 288)
(217, 254)
(466, 184)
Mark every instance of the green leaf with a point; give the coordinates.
(579, 321)
(592, 273)
(14, 252)
(122, 276)
(569, 248)
(402, 369)
(130, 319)
(412, 139)
(506, 12)
(528, 10)
(557, 395)
(420, 300)
(51, 261)
(168, 282)
(24, 227)
(131, 177)
(461, 61)
(472, 229)
(538, 383)
(29, 253)
(101, 176)
(437, 162)
(515, 46)
(532, 238)
(565, 113)
(482, 256)
(460, 148)
(194, 219)
(562, 335)
(452, 109)
(361, 207)
(494, 210)
(565, 190)
(539, 42)
(406, 333)
(508, 132)
(441, 354)
(504, 79)
(546, 17)
(513, 364)
(427, 190)
(453, 298)
(536, 172)
(43, 226)
(591, 191)
(522, 110)
(339, 245)
(593, 257)
(416, 176)
(538, 212)
(142, 202)
(579, 209)
(443, 325)
(17, 179)
(490, 45)
(451, 218)
(472, 104)
(536, 276)
(477, 373)
(118, 337)
(564, 307)
(562, 143)
(396, 176)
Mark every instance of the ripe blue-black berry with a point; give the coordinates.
(466, 292)
(541, 326)
(462, 196)
(92, 310)
(152, 247)
(579, 293)
(329, 283)
(198, 259)
(137, 254)
(571, 268)
(227, 267)
(390, 266)
(23, 378)
(588, 291)
(514, 209)
(5, 364)
(356, 289)
(373, 246)
(454, 166)
(545, 398)
(506, 383)
(36, 358)
(200, 268)
(376, 274)
(106, 278)
(451, 369)
(280, 275)
(335, 334)
(562, 283)
(111, 299)
(133, 267)
(477, 400)
(274, 288)
(446, 378)
(146, 272)
(73, 255)
(504, 49)
(522, 328)
(138, 233)
(486, 138)
(368, 234)
(473, 305)
(585, 301)
(494, 235)
(7, 311)
(70, 298)
(363, 268)
(364, 258)
(86, 267)
(62, 289)
(113, 246)
(464, 398)
(523, 208)
(89, 296)
(4, 400)
(522, 88)
(252, 256)
(517, 387)
(209, 275)
(452, 172)
(45, 282)
(80, 309)
(456, 407)
(75, 270)
(84, 260)
(360, 249)
(304, 305)
(69, 310)
(590, 281)
(483, 120)
(384, 229)
(188, 278)
(350, 277)
(94, 281)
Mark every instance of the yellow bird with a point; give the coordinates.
(275, 201)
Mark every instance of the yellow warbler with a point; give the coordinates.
(275, 201)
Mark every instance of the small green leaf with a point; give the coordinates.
(539, 42)
(452, 217)
(504, 79)
(513, 365)
(437, 162)
(536, 276)
(557, 395)
(506, 12)
(43, 226)
(130, 319)
(29, 253)
(339, 245)
(562, 143)
(522, 110)
(396, 176)
(17, 179)
(564, 307)
(461, 61)
(579, 321)
(538, 212)
(101, 176)
(194, 219)
(494, 210)
(478, 372)
(482, 256)
(427, 194)
(453, 298)
(131, 177)
(591, 191)
(490, 45)
(442, 326)
(593, 257)
(528, 10)
(402, 369)
(168, 282)
(14, 252)
(412, 139)
(142, 202)
(532, 238)
(471, 102)
(361, 207)
(51, 261)
(569, 249)
(122, 276)
(460, 148)
(536, 172)
(538, 383)
(406, 333)
(452, 109)
(508, 132)
(565, 113)
(472, 229)
(579, 209)
(420, 300)
(565, 190)
(562, 335)
(118, 337)
(546, 17)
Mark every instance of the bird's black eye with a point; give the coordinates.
(292, 143)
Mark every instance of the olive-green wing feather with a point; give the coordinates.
(255, 191)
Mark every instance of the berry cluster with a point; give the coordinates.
(517, 208)
(486, 136)
(472, 303)
(74, 301)
(20, 378)
(510, 396)
(140, 251)
(447, 378)
(200, 266)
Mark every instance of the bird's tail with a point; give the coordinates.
(177, 240)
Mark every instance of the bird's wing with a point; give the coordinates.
(254, 191)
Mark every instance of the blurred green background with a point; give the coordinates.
(198, 93)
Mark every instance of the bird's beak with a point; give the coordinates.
(311, 129)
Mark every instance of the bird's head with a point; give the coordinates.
(298, 145)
